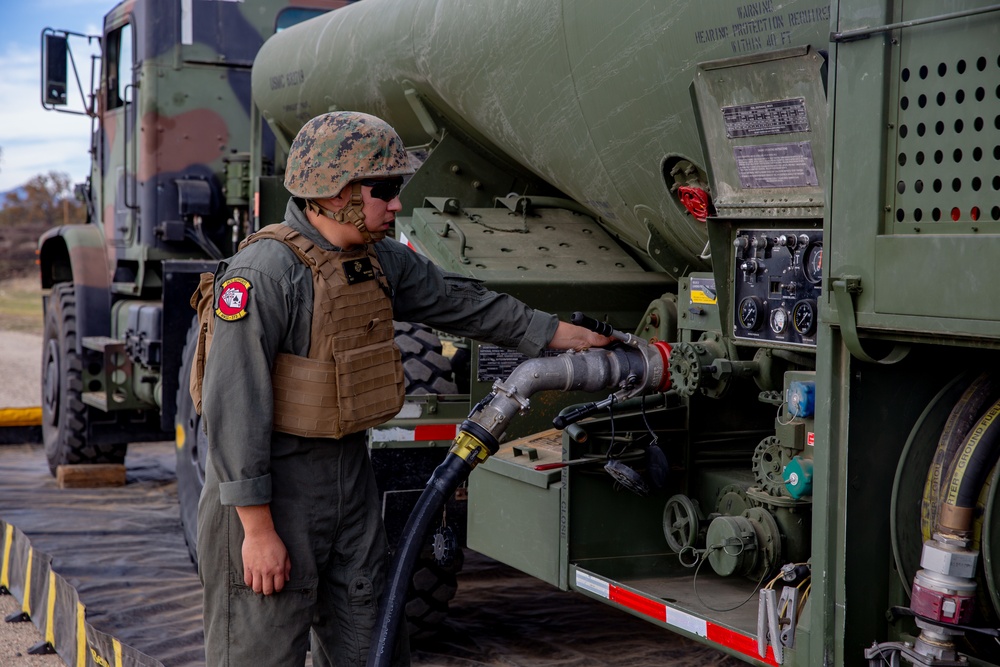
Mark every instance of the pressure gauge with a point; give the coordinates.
(804, 317)
(779, 320)
(751, 313)
(812, 263)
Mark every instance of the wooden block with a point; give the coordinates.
(90, 476)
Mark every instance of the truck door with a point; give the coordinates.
(117, 190)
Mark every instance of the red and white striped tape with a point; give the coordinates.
(657, 610)
(421, 433)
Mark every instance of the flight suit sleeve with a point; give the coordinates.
(238, 402)
(462, 306)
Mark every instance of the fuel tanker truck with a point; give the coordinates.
(782, 213)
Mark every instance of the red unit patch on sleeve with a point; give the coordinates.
(233, 299)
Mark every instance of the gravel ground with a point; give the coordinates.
(17, 638)
(20, 369)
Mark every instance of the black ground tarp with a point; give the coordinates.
(124, 552)
(121, 548)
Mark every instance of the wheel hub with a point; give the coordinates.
(50, 383)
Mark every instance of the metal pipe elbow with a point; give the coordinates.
(643, 367)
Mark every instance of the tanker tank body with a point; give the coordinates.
(616, 158)
(587, 97)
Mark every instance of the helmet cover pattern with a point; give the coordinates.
(336, 148)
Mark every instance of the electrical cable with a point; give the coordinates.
(611, 444)
(695, 582)
(645, 419)
(881, 654)
(777, 418)
(803, 598)
(770, 584)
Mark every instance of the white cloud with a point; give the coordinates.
(34, 140)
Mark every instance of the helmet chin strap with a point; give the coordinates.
(353, 213)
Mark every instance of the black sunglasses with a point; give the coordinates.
(384, 189)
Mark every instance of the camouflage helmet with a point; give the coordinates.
(336, 148)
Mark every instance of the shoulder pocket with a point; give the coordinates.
(462, 286)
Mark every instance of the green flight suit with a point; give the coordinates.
(322, 492)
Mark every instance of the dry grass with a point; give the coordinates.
(21, 305)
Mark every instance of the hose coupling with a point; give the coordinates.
(474, 444)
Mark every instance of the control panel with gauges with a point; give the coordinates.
(776, 285)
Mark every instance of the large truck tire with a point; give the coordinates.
(64, 414)
(427, 370)
(192, 447)
(432, 587)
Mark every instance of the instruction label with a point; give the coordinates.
(703, 291)
(757, 120)
(497, 363)
(776, 165)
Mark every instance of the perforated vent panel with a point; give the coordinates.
(947, 142)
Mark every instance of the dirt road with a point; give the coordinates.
(20, 369)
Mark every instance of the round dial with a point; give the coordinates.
(751, 313)
(779, 320)
(812, 263)
(804, 317)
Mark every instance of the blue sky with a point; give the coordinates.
(32, 140)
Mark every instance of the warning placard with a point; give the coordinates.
(776, 165)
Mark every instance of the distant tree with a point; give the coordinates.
(46, 199)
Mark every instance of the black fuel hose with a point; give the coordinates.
(982, 449)
(442, 483)
(952, 440)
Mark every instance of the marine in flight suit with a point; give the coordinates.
(290, 536)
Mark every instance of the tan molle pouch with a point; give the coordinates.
(362, 387)
(305, 397)
(370, 382)
(203, 302)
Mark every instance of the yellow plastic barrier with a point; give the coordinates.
(20, 417)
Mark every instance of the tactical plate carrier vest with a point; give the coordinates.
(353, 377)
